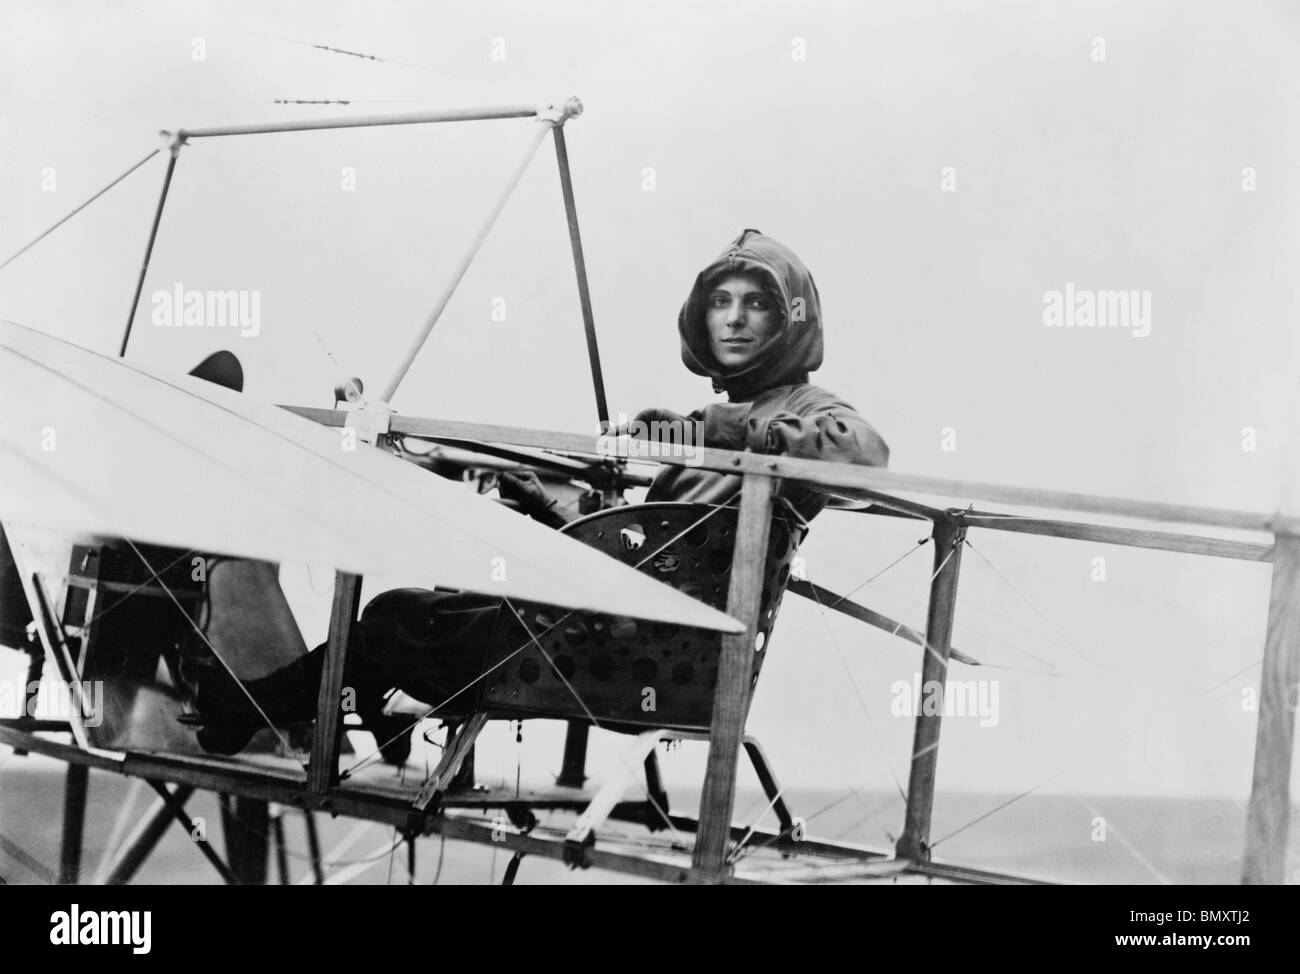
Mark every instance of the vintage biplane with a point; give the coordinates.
(146, 534)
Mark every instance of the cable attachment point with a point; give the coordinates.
(174, 140)
(558, 115)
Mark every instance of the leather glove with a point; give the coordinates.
(527, 491)
(664, 426)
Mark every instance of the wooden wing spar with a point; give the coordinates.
(102, 445)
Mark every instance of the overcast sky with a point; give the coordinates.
(1164, 166)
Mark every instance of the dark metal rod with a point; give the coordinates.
(142, 841)
(313, 848)
(153, 235)
(281, 852)
(573, 772)
(175, 806)
(366, 121)
(74, 821)
(580, 267)
(512, 869)
(28, 861)
(914, 843)
(770, 788)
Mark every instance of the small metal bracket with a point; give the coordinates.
(370, 420)
(575, 850)
(175, 140)
(552, 115)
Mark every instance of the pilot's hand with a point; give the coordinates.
(663, 426)
(527, 491)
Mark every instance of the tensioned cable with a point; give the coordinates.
(871, 814)
(1065, 639)
(213, 650)
(861, 585)
(28, 861)
(98, 616)
(852, 793)
(432, 710)
(863, 704)
(920, 543)
(22, 250)
(866, 712)
(744, 840)
(994, 811)
(1185, 696)
(1146, 863)
(663, 813)
(324, 861)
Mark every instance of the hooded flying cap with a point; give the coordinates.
(792, 353)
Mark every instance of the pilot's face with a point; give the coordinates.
(742, 318)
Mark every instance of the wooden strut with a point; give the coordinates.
(735, 670)
(914, 843)
(842, 475)
(323, 772)
(1269, 813)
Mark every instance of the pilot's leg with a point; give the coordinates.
(430, 644)
(230, 719)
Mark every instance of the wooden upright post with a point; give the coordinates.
(735, 670)
(914, 843)
(323, 772)
(1270, 793)
(74, 820)
(246, 825)
(573, 771)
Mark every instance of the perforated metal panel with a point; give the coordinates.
(630, 672)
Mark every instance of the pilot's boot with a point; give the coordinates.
(229, 718)
(290, 695)
(392, 734)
